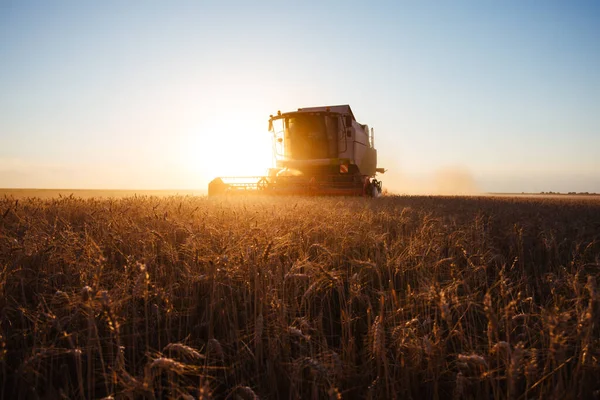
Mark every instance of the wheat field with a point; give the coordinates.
(391, 298)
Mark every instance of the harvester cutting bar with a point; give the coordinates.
(288, 185)
(243, 182)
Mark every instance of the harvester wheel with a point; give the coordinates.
(262, 184)
(378, 185)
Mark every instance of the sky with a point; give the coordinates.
(474, 95)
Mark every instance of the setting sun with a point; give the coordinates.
(229, 144)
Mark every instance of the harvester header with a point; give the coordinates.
(316, 151)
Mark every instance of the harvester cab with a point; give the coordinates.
(316, 151)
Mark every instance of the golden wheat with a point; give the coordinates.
(395, 297)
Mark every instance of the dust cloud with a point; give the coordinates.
(444, 181)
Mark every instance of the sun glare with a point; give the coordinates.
(232, 145)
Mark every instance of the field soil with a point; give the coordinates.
(396, 297)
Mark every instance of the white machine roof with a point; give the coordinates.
(341, 109)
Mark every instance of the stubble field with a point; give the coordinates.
(396, 297)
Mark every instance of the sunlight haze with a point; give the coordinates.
(480, 96)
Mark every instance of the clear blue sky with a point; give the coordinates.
(157, 94)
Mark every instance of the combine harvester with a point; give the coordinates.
(320, 151)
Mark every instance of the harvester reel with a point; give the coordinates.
(262, 184)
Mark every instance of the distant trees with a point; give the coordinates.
(572, 193)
